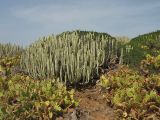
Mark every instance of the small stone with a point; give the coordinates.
(73, 115)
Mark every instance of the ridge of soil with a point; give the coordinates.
(92, 106)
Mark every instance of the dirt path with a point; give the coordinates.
(92, 106)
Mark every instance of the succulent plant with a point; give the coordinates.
(71, 56)
(9, 50)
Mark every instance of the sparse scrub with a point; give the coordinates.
(132, 95)
(150, 65)
(143, 45)
(22, 97)
(34, 81)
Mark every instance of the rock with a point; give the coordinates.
(74, 115)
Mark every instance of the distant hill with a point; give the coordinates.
(147, 38)
(144, 44)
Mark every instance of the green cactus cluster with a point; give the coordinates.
(8, 50)
(72, 56)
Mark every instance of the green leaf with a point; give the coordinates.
(1, 94)
(50, 115)
(57, 108)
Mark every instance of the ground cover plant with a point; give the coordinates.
(25, 98)
(133, 95)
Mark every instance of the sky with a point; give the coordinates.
(24, 21)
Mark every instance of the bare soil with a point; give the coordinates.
(92, 106)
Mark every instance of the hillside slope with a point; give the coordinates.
(142, 45)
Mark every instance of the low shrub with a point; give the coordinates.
(151, 64)
(132, 95)
(22, 97)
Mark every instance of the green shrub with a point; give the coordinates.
(143, 45)
(21, 97)
(151, 64)
(8, 64)
(132, 95)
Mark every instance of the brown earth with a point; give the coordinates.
(92, 106)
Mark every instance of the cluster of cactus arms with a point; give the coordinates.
(71, 56)
(8, 50)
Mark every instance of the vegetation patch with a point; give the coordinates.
(141, 46)
(74, 57)
(9, 50)
(132, 95)
(34, 81)
(21, 97)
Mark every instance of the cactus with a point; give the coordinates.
(72, 56)
(8, 50)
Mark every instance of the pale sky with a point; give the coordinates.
(24, 21)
